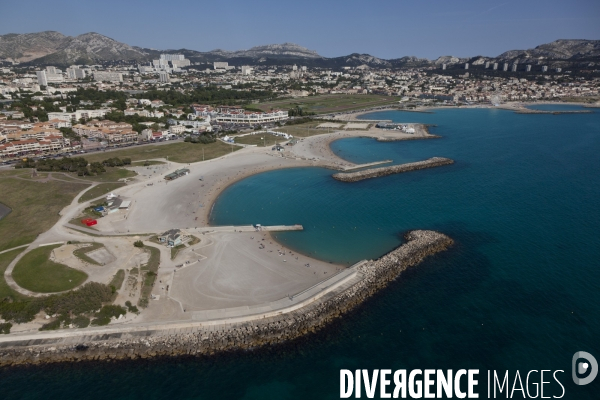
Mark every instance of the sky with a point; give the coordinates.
(382, 28)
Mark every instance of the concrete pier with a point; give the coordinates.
(367, 165)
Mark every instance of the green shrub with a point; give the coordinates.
(86, 299)
(81, 321)
(5, 328)
(143, 302)
(112, 310)
(101, 321)
(51, 326)
(131, 308)
(138, 243)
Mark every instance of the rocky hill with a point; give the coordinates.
(558, 50)
(276, 50)
(30, 46)
(54, 48)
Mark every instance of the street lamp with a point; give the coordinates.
(263, 139)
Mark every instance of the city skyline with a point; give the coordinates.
(410, 28)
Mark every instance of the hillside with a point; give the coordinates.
(54, 48)
(558, 50)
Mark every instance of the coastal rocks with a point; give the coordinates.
(403, 138)
(394, 169)
(208, 340)
(531, 111)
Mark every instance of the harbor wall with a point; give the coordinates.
(198, 339)
(394, 169)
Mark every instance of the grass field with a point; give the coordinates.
(146, 163)
(180, 152)
(5, 290)
(37, 273)
(112, 174)
(100, 190)
(82, 253)
(117, 280)
(269, 140)
(330, 103)
(303, 130)
(34, 205)
(175, 250)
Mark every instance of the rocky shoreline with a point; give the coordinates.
(209, 340)
(394, 169)
(530, 111)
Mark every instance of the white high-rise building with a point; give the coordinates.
(221, 65)
(466, 65)
(495, 66)
(41, 76)
(246, 70)
(108, 76)
(505, 67)
(45, 76)
(528, 68)
(514, 67)
(545, 68)
(71, 72)
(172, 57)
(163, 77)
(75, 73)
(180, 63)
(51, 74)
(487, 64)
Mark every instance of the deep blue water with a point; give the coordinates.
(518, 291)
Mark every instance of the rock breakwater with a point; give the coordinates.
(394, 169)
(196, 339)
(531, 111)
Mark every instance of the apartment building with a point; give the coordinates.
(240, 116)
(112, 132)
(77, 115)
(108, 76)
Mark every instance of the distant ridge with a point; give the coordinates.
(54, 48)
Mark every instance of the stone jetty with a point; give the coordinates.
(531, 111)
(195, 338)
(394, 169)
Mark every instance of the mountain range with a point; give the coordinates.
(54, 48)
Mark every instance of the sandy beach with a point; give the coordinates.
(226, 266)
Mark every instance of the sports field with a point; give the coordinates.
(330, 103)
(37, 273)
(261, 139)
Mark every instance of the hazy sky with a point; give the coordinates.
(383, 28)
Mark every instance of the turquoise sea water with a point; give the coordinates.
(520, 290)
